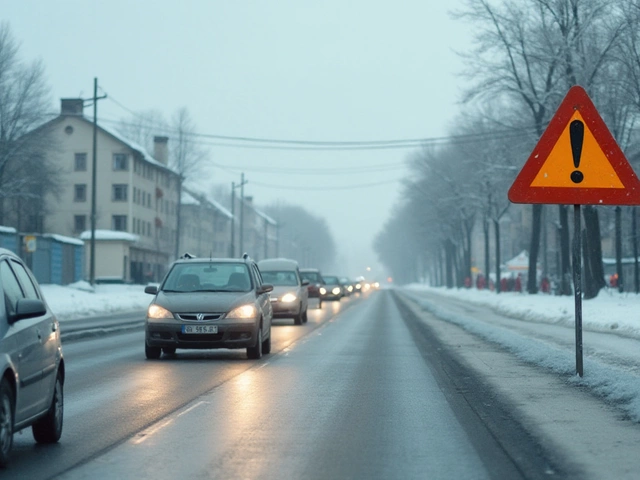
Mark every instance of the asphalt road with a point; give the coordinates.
(369, 388)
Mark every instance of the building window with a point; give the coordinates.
(80, 192)
(119, 223)
(120, 162)
(79, 223)
(80, 162)
(120, 192)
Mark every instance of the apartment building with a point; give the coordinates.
(205, 226)
(136, 198)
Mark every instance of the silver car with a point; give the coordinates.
(290, 296)
(207, 303)
(32, 375)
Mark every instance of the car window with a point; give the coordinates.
(30, 290)
(257, 275)
(207, 276)
(280, 278)
(332, 280)
(11, 287)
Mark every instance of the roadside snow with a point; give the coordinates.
(610, 312)
(80, 299)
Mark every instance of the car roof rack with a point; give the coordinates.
(188, 255)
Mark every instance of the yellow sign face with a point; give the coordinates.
(595, 167)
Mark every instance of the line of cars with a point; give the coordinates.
(205, 303)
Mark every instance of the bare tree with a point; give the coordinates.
(26, 175)
(186, 157)
(531, 53)
(142, 127)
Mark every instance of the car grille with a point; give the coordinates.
(200, 337)
(193, 317)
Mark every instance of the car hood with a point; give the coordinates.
(280, 290)
(201, 302)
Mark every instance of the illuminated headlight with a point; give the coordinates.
(243, 312)
(358, 286)
(156, 311)
(336, 291)
(350, 288)
(323, 290)
(288, 298)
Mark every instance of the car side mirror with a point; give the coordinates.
(305, 282)
(265, 288)
(28, 308)
(152, 289)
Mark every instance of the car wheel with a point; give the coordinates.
(49, 428)
(6, 422)
(305, 317)
(297, 319)
(169, 350)
(152, 353)
(266, 345)
(255, 352)
(319, 304)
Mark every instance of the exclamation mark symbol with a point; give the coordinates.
(576, 133)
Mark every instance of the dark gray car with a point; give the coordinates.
(205, 303)
(31, 363)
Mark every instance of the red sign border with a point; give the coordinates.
(576, 99)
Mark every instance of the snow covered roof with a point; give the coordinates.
(64, 239)
(190, 197)
(7, 229)
(134, 146)
(110, 235)
(519, 262)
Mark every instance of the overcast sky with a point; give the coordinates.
(333, 70)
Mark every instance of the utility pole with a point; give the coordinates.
(94, 181)
(242, 184)
(233, 220)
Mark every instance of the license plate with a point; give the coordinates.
(199, 329)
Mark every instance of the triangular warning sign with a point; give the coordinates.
(576, 161)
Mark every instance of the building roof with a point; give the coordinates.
(110, 235)
(190, 197)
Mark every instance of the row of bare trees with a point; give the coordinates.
(525, 57)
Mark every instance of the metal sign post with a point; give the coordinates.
(576, 162)
(577, 283)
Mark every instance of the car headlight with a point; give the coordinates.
(336, 290)
(323, 290)
(288, 298)
(243, 312)
(350, 288)
(156, 311)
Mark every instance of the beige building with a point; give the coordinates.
(136, 194)
(206, 226)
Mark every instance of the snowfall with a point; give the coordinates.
(611, 311)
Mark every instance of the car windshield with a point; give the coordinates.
(208, 277)
(280, 278)
(313, 277)
(331, 280)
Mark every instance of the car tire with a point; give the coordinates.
(169, 350)
(305, 317)
(152, 353)
(255, 352)
(6, 421)
(266, 345)
(319, 304)
(49, 428)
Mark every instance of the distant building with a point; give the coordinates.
(206, 226)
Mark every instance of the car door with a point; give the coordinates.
(27, 356)
(264, 300)
(47, 332)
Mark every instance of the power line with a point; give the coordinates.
(287, 144)
(344, 187)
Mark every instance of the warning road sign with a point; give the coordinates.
(576, 161)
